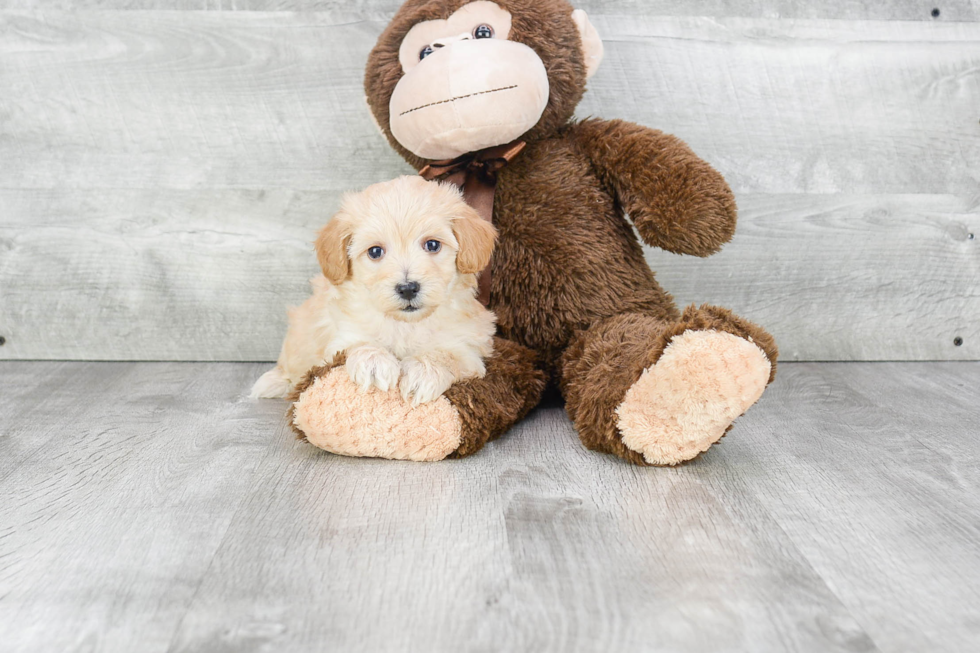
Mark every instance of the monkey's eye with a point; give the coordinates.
(432, 246)
(483, 32)
(376, 252)
(426, 51)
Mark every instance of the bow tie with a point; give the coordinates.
(476, 174)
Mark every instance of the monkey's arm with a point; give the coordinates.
(676, 200)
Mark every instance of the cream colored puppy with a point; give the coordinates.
(397, 294)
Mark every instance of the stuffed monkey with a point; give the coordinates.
(483, 93)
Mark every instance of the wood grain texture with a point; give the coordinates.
(887, 453)
(803, 106)
(107, 527)
(158, 275)
(134, 99)
(685, 562)
(22, 387)
(502, 552)
(844, 277)
(180, 99)
(132, 274)
(162, 513)
(162, 172)
(952, 10)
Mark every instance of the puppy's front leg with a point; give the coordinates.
(370, 366)
(426, 377)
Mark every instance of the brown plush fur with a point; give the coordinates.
(569, 281)
(488, 407)
(604, 361)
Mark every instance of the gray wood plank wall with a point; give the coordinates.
(162, 171)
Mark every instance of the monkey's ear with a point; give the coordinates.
(331, 249)
(475, 237)
(591, 43)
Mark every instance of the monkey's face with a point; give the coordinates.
(471, 80)
(466, 86)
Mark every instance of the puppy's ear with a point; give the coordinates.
(476, 237)
(331, 249)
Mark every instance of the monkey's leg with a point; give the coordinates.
(332, 413)
(658, 392)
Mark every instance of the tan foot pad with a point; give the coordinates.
(339, 417)
(684, 403)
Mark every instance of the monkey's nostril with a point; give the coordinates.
(407, 291)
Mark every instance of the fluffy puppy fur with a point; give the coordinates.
(419, 338)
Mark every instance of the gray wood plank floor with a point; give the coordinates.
(149, 507)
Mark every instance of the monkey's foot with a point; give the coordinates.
(688, 399)
(334, 414)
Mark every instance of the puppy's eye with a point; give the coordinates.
(374, 253)
(425, 52)
(432, 246)
(483, 32)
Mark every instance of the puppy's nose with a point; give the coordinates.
(408, 291)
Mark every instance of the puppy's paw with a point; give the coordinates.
(423, 381)
(373, 367)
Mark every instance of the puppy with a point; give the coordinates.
(397, 294)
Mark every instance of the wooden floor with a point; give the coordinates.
(148, 507)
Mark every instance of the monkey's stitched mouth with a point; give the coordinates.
(459, 97)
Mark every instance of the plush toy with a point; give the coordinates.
(483, 94)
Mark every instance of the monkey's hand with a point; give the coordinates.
(676, 200)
